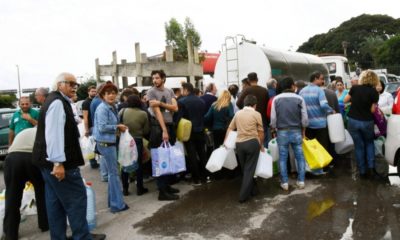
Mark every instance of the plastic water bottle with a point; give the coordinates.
(91, 206)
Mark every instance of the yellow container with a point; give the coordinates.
(184, 130)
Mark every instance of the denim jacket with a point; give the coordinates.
(105, 123)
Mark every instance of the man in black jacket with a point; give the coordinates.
(58, 155)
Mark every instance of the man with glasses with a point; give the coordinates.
(317, 110)
(58, 155)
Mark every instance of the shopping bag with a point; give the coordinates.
(230, 161)
(87, 146)
(127, 150)
(28, 206)
(230, 141)
(177, 158)
(264, 167)
(217, 159)
(315, 154)
(2, 210)
(184, 129)
(160, 160)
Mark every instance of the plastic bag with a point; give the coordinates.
(127, 150)
(177, 158)
(315, 154)
(88, 145)
(160, 160)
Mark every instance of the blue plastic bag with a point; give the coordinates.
(160, 160)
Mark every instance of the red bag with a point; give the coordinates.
(396, 104)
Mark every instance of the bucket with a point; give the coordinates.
(336, 128)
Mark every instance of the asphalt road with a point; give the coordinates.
(335, 206)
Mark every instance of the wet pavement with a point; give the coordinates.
(335, 206)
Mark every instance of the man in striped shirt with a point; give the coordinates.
(317, 110)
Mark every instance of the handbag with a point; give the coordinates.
(315, 154)
(160, 160)
(127, 150)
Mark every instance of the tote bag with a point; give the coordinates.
(315, 154)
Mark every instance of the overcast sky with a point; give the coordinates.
(46, 37)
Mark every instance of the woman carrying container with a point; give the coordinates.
(363, 99)
(105, 132)
(219, 116)
(250, 138)
(138, 125)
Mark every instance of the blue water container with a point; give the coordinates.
(91, 206)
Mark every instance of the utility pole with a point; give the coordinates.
(19, 83)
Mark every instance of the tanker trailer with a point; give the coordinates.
(243, 57)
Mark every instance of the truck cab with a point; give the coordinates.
(338, 66)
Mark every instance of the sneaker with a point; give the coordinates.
(300, 185)
(172, 190)
(285, 186)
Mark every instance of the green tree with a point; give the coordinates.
(389, 54)
(6, 100)
(176, 36)
(83, 88)
(356, 32)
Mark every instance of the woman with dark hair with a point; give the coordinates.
(341, 93)
(105, 132)
(386, 100)
(138, 125)
(124, 97)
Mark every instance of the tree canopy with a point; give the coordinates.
(363, 37)
(176, 35)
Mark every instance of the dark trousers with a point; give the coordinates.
(139, 171)
(219, 136)
(195, 148)
(66, 198)
(18, 169)
(248, 153)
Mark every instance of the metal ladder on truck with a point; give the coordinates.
(232, 59)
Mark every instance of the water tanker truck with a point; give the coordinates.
(240, 57)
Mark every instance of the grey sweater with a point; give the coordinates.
(288, 111)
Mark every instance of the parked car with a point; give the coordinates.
(392, 87)
(391, 77)
(5, 117)
(392, 143)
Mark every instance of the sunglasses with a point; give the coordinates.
(71, 83)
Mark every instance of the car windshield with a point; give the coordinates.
(5, 119)
(392, 87)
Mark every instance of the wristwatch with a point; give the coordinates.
(57, 164)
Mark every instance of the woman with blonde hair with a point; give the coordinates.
(364, 98)
(219, 116)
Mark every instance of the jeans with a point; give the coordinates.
(295, 139)
(362, 133)
(115, 198)
(103, 168)
(266, 138)
(66, 198)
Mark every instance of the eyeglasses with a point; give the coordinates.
(71, 83)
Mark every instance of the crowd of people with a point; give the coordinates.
(49, 155)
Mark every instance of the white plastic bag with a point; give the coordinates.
(230, 141)
(217, 159)
(177, 157)
(230, 161)
(160, 160)
(127, 150)
(87, 146)
(264, 165)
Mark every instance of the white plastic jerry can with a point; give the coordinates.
(273, 148)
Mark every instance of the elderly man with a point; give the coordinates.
(25, 118)
(58, 155)
(41, 94)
